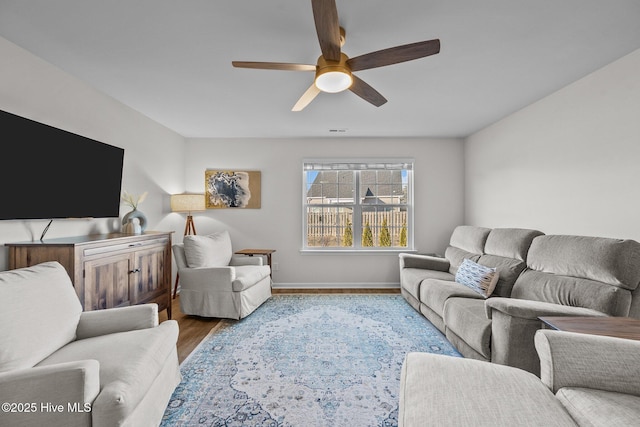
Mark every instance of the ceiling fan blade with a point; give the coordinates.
(366, 92)
(306, 98)
(274, 66)
(394, 55)
(325, 14)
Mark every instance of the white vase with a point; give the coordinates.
(134, 222)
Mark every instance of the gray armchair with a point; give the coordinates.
(586, 380)
(216, 283)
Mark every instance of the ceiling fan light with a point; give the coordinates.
(333, 81)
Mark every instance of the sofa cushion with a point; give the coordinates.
(600, 408)
(467, 319)
(39, 313)
(466, 241)
(610, 261)
(508, 271)
(434, 293)
(125, 375)
(411, 278)
(456, 256)
(510, 242)
(469, 238)
(213, 250)
(571, 291)
(478, 278)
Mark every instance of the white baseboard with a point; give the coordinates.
(367, 285)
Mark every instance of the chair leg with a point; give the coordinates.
(175, 287)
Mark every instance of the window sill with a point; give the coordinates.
(334, 251)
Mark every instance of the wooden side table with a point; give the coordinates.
(265, 252)
(619, 327)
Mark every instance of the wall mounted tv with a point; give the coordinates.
(49, 173)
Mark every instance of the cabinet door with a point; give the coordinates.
(106, 282)
(151, 283)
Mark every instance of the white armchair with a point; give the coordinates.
(214, 282)
(60, 366)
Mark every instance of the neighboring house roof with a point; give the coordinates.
(371, 199)
(337, 185)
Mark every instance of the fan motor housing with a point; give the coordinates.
(333, 76)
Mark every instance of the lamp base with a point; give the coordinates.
(189, 228)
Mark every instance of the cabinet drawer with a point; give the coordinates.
(132, 246)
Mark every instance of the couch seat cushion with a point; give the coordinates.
(249, 275)
(129, 362)
(467, 319)
(438, 390)
(434, 293)
(413, 277)
(600, 408)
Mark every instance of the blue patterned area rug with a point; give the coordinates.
(304, 361)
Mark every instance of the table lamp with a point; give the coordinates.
(188, 203)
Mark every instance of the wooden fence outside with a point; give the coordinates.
(327, 228)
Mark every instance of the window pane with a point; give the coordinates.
(329, 226)
(384, 227)
(330, 187)
(346, 187)
(380, 187)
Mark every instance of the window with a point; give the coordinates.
(363, 205)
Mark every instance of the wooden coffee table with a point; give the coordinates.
(619, 327)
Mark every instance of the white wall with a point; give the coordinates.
(277, 224)
(159, 161)
(567, 164)
(153, 162)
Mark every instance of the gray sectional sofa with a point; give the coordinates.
(539, 275)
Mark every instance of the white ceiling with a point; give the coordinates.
(171, 60)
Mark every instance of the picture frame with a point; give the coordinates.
(229, 189)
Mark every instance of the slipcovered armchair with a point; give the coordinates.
(61, 366)
(216, 283)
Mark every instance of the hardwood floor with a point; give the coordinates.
(193, 329)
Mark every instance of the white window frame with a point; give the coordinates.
(359, 164)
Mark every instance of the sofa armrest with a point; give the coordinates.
(514, 323)
(569, 359)
(69, 389)
(238, 260)
(526, 309)
(426, 262)
(102, 322)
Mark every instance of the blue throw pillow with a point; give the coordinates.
(480, 278)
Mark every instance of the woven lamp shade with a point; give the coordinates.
(187, 202)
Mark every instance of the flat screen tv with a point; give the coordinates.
(49, 173)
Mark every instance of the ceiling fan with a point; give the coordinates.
(334, 70)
